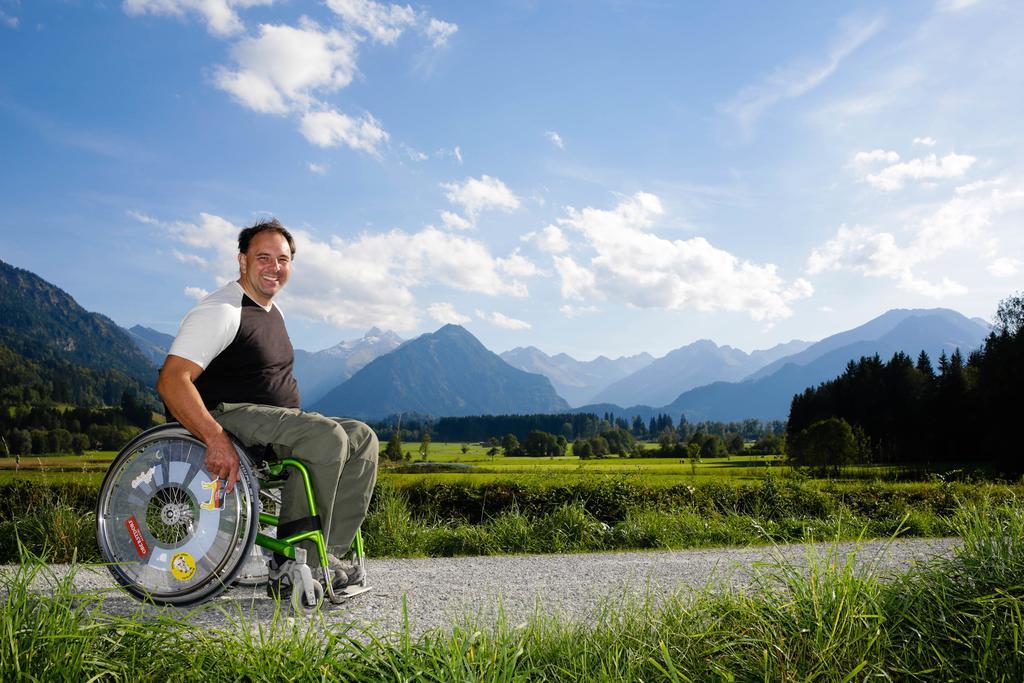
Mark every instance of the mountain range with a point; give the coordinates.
(575, 381)
(693, 365)
(317, 373)
(49, 341)
(444, 373)
(767, 393)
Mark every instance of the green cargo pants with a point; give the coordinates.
(341, 456)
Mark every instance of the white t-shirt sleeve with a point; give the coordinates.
(208, 329)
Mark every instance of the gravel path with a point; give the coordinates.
(441, 591)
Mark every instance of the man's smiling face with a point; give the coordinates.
(265, 267)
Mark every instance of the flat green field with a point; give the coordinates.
(448, 464)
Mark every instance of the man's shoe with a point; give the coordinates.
(343, 574)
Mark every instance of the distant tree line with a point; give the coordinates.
(906, 411)
(482, 427)
(45, 429)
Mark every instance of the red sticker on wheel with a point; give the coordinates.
(136, 533)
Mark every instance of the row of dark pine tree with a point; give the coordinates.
(965, 412)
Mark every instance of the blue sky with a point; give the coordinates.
(587, 177)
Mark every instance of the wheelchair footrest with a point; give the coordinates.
(349, 592)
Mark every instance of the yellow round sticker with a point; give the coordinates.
(183, 566)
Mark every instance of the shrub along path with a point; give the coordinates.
(439, 592)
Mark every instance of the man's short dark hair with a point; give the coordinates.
(274, 225)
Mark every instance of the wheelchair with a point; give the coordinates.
(171, 535)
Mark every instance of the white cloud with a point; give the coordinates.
(445, 313)
(319, 169)
(959, 226)
(979, 185)
(551, 239)
(476, 195)
(286, 69)
(925, 141)
(516, 265)
(196, 293)
(576, 311)
(212, 233)
(642, 269)
(454, 153)
(875, 156)
(7, 20)
(440, 31)
(1004, 267)
(220, 15)
(797, 79)
(366, 281)
(931, 167)
(956, 5)
(555, 139)
(143, 218)
(414, 154)
(503, 321)
(191, 259)
(455, 221)
(384, 23)
(576, 281)
(329, 128)
(282, 68)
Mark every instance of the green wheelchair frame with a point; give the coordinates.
(288, 546)
(171, 535)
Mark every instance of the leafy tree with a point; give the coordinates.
(393, 451)
(425, 446)
(712, 447)
(79, 443)
(1010, 315)
(510, 444)
(827, 444)
(21, 441)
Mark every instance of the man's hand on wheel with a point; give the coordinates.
(222, 460)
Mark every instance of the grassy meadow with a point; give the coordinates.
(470, 503)
(446, 462)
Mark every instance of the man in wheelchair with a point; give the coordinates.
(229, 372)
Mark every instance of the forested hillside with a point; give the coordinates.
(902, 411)
(70, 380)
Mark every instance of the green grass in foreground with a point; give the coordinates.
(955, 619)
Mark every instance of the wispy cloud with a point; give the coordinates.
(319, 169)
(797, 78)
(928, 168)
(444, 312)
(555, 139)
(440, 31)
(220, 16)
(8, 20)
(1004, 267)
(503, 321)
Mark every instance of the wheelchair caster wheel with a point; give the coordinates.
(300, 601)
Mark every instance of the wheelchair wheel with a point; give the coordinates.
(166, 528)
